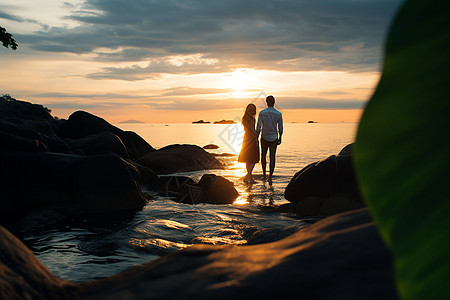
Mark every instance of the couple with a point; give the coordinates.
(270, 125)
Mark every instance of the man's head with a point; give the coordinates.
(270, 100)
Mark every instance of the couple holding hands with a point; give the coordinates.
(270, 126)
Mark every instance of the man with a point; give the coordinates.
(270, 125)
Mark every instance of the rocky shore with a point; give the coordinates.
(83, 161)
(53, 168)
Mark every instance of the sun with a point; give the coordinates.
(238, 81)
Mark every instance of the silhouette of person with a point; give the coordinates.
(250, 148)
(270, 125)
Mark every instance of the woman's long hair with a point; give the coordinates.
(250, 112)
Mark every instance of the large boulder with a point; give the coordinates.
(106, 183)
(12, 109)
(98, 143)
(210, 189)
(100, 183)
(326, 187)
(179, 158)
(82, 124)
(19, 143)
(39, 130)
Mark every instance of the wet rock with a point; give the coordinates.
(210, 189)
(325, 187)
(217, 190)
(179, 158)
(210, 146)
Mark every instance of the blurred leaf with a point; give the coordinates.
(402, 150)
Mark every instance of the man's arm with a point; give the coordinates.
(280, 128)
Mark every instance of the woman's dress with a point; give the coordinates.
(250, 147)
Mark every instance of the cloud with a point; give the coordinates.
(13, 17)
(167, 65)
(170, 92)
(265, 34)
(319, 103)
(188, 91)
(174, 99)
(8, 16)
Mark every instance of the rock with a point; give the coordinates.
(24, 276)
(82, 124)
(38, 168)
(172, 185)
(338, 203)
(40, 130)
(347, 150)
(201, 122)
(146, 175)
(95, 183)
(12, 109)
(225, 122)
(18, 143)
(325, 187)
(210, 146)
(106, 183)
(217, 190)
(210, 189)
(309, 206)
(179, 158)
(98, 143)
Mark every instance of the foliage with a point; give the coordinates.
(402, 149)
(7, 39)
(7, 97)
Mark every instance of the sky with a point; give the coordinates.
(161, 61)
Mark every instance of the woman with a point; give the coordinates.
(250, 147)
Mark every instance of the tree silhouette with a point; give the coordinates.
(7, 39)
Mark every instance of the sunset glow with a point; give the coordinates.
(115, 60)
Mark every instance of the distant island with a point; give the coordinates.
(312, 122)
(132, 121)
(225, 122)
(201, 122)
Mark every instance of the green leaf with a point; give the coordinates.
(402, 149)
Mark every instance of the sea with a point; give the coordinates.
(91, 248)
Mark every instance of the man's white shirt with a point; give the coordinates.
(270, 122)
